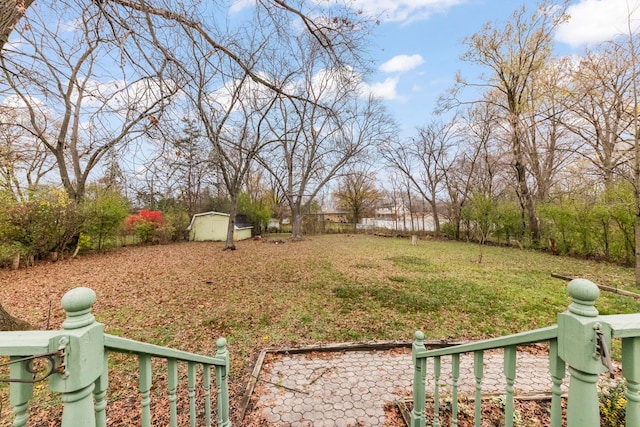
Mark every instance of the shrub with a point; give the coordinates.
(8, 250)
(177, 221)
(47, 221)
(147, 225)
(104, 211)
(613, 404)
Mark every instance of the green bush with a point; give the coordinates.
(144, 231)
(8, 251)
(448, 229)
(47, 221)
(177, 221)
(104, 211)
(258, 213)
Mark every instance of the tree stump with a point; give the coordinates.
(414, 240)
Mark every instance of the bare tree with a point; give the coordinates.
(596, 96)
(330, 26)
(317, 140)
(231, 108)
(180, 167)
(424, 160)
(629, 45)
(24, 161)
(548, 146)
(513, 54)
(80, 107)
(474, 166)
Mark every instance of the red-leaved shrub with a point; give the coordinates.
(144, 224)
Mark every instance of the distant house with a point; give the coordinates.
(400, 218)
(335, 216)
(212, 226)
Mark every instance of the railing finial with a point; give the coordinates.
(584, 294)
(419, 336)
(77, 303)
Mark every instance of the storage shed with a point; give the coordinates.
(213, 226)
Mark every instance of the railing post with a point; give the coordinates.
(577, 347)
(418, 416)
(222, 383)
(82, 343)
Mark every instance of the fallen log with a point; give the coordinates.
(602, 287)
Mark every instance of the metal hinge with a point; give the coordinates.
(56, 364)
(37, 373)
(603, 350)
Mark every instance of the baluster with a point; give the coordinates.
(478, 369)
(100, 394)
(19, 393)
(191, 376)
(172, 385)
(206, 372)
(510, 375)
(418, 417)
(631, 372)
(436, 393)
(222, 384)
(557, 369)
(455, 372)
(144, 382)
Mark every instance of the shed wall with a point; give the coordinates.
(241, 234)
(209, 227)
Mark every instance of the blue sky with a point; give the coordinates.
(415, 49)
(417, 46)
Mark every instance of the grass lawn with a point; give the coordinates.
(329, 288)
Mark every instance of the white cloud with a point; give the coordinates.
(385, 90)
(14, 101)
(223, 97)
(401, 63)
(594, 21)
(239, 5)
(402, 10)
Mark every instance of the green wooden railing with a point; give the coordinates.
(580, 342)
(77, 358)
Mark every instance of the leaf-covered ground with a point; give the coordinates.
(332, 288)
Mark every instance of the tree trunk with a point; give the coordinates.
(527, 203)
(637, 248)
(10, 13)
(296, 224)
(10, 323)
(436, 218)
(233, 210)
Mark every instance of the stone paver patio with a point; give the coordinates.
(352, 387)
